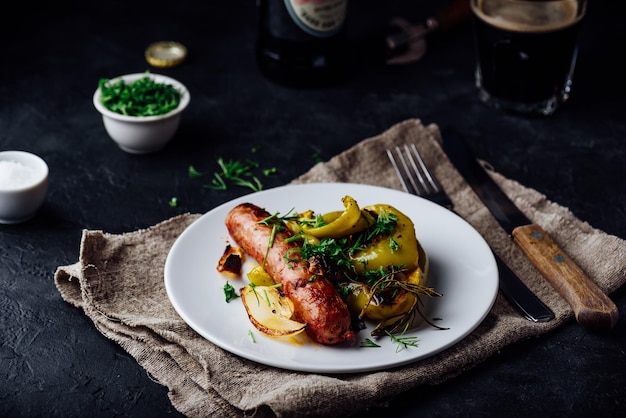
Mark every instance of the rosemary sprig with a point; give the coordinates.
(389, 282)
(368, 343)
(403, 342)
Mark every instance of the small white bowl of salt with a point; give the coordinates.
(23, 185)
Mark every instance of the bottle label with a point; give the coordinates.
(320, 18)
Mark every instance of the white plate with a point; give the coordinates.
(463, 269)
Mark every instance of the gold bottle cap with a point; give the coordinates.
(165, 54)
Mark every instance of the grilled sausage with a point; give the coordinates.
(316, 301)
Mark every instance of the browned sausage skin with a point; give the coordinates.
(316, 301)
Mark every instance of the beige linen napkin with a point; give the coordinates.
(118, 283)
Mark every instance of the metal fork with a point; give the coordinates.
(417, 179)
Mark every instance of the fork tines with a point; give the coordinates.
(412, 171)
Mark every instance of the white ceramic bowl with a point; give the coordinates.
(23, 185)
(142, 134)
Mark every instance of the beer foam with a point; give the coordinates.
(528, 16)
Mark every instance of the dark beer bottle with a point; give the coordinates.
(302, 43)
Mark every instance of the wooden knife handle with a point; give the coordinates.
(591, 305)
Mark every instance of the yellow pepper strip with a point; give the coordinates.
(297, 227)
(260, 277)
(345, 224)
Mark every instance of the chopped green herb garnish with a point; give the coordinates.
(238, 173)
(193, 173)
(277, 225)
(269, 171)
(142, 97)
(173, 202)
(368, 343)
(393, 245)
(267, 298)
(251, 336)
(385, 224)
(229, 292)
(317, 158)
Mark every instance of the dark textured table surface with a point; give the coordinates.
(55, 363)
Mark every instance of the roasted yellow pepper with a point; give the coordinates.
(361, 302)
(398, 249)
(298, 227)
(341, 224)
(259, 277)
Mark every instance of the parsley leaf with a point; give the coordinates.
(229, 292)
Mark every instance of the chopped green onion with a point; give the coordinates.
(142, 97)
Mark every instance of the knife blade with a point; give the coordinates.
(591, 306)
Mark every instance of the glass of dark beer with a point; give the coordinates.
(526, 52)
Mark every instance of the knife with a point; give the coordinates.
(592, 307)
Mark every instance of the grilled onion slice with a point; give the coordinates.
(269, 311)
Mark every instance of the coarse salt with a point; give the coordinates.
(14, 174)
